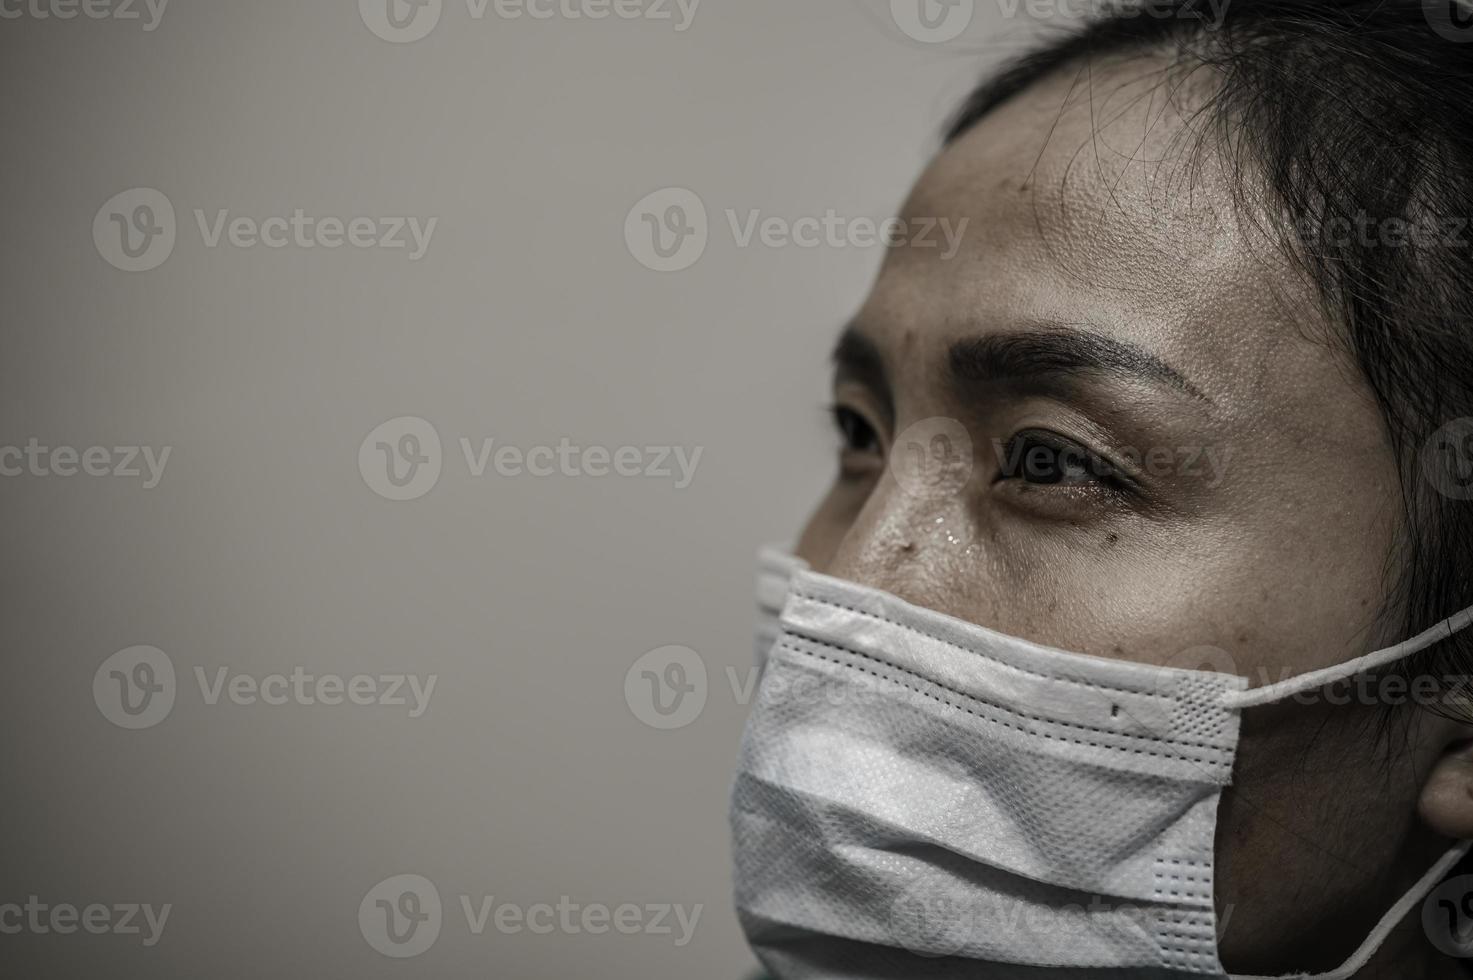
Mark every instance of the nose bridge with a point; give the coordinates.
(882, 555)
(906, 539)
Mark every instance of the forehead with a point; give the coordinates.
(1097, 196)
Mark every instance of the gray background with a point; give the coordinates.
(263, 549)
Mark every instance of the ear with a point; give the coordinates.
(1446, 803)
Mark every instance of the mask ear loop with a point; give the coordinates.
(1238, 700)
(1268, 694)
(1383, 929)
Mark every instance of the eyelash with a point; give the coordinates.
(1021, 461)
(1020, 453)
(857, 434)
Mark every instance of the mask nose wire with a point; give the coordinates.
(1268, 694)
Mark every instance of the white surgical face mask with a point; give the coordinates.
(919, 797)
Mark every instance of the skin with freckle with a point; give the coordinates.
(1081, 211)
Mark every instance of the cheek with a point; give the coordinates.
(938, 552)
(1246, 594)
(1137, 593)
(1309, 834)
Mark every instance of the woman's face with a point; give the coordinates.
(1170, 462)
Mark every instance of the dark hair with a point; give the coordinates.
(1336, 111)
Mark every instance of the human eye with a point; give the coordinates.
(860, 447)
(1056, 476)
(1046, 459)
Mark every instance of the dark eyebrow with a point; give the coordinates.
(1060, 350)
